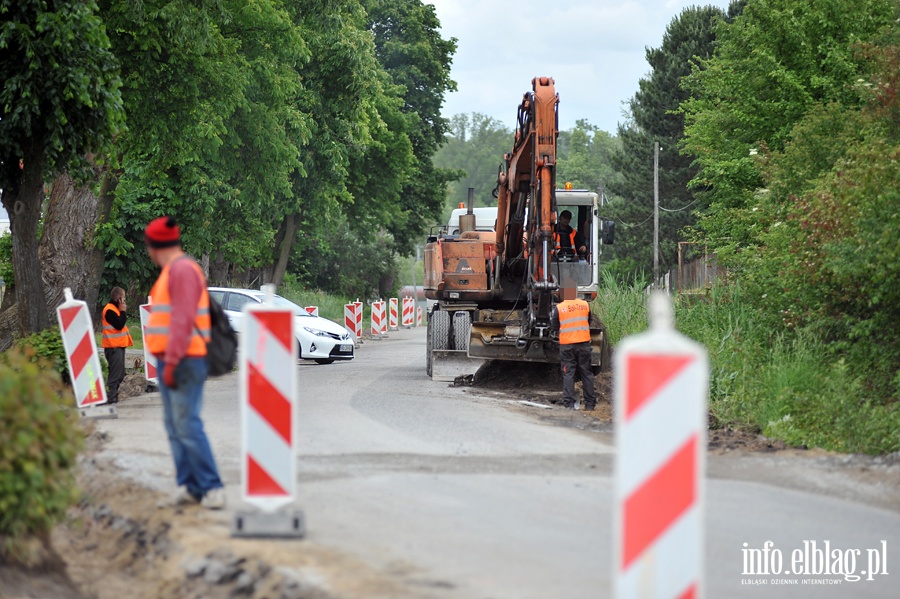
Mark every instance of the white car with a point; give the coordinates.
(318, 338)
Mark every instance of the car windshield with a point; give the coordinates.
(280, 301)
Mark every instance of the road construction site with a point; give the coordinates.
(425, 489)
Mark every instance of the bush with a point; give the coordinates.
(47, 347)
(39, 444)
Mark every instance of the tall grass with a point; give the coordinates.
(788, 385)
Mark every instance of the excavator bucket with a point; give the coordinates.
(448, 364)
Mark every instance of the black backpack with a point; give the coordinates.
(221, 351)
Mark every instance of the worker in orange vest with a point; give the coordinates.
(177, 333)
(114, 338)
(568, 240)
(571, 317)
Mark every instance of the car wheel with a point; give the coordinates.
(324, 360)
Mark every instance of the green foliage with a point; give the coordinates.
(39, 444)
(60, 90)
(6, 261)
(474, 149)
(688, 38)
(772, 64)
(338, 268)
(46, 348)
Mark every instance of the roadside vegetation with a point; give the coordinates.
(793, 386)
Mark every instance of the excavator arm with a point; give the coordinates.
(525, 243)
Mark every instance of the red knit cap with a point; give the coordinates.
(162, 232)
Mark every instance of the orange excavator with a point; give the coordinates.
(494, 291)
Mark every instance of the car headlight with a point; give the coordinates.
(317, 332)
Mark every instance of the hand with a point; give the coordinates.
(168, 376)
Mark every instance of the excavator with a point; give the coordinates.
(493, 291)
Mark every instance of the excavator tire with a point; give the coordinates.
(440, 330)
(462, 330)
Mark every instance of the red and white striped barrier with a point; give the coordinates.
(378, 316)
(268, 360)
(312, 310)
(661, 383)
(351, 312)
(77, 332)
(359, 319)
(393, 313)
(409, 306)
(420, 314)
(150, 372)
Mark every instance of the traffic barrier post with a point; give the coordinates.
(150, 371)
(419, 315)
(393, 314)
(377, 318)
(661, 381)
(408, 309)
(358, 319)
(268, 395)
(77, 331)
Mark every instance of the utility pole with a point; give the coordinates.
(656, 215)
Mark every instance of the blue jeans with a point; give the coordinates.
(195, 467)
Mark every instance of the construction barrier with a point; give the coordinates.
(353, 319)
(379, 326)
(393, 314)
(77, 332)
(359, 318)
(268, 402)
(660, 385)
(268, 393)
(409, 306)
(420, 313)
(312, 310)
(150, 372)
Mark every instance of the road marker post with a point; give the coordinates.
(392, 314)
(661, 385)
(419, 315)
(377, 317)
(312, 310)
(358, 323)
(77, 331)
(350, 311)
(268, 394)
(150, 371)
(408, 309)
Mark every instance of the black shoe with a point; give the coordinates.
(589, 407)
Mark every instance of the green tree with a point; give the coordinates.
(771, 65)
(585, 158)
(474, 148)
(410, 48)
(654, 118)
(60, 102)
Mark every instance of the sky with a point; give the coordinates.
(593, 49)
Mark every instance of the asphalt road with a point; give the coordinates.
(463, 495)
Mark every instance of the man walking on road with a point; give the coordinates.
(571, 317)
(177, 333)
(114, 339)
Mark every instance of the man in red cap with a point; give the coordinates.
(177, 333)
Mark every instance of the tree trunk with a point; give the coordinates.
(284, 242)
(22, 201)
(68, 252)
(9, 326)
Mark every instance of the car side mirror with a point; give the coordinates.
(609, 232)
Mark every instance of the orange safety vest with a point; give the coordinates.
(112, 337)
(574, 326)
(571, 239)
(157, 334)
